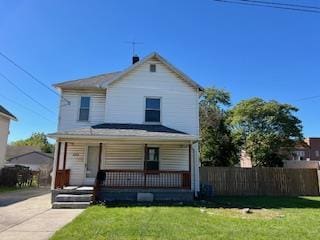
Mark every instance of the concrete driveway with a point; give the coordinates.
(25, 215)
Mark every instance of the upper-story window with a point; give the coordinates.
(152, 112)
(84, 108)
(153, 68)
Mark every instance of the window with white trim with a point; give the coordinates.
(152, 112)
(84, 108)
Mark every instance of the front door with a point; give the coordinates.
(92, 164)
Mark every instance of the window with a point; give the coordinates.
(317, 153)
(151, 158)
(152, 113)
(84, 109)
(153, 68)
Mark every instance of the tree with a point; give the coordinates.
(37, 139)
(216, 146)
(266, 130)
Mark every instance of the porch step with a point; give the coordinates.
(70, 205)
(74, 197)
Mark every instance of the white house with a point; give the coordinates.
(5, 117)
(139, 128)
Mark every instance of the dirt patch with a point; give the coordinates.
(266, 214)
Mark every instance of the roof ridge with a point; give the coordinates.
(85, 78)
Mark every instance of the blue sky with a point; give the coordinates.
(249, 51)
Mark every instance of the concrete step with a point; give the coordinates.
(71, 205)
(74, 198)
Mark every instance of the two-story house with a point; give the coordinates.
(5, 118)
(137, 129)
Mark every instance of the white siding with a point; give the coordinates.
(69, 113)
(123, 156)
(179, 101)
(174, 157)
(4, 131)
(75, 162)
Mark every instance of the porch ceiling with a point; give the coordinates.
(125, 131)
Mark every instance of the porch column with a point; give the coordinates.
(100, 156)
(65, 155)
(58, 163)
(190, 148)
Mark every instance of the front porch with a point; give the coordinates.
(120, 168)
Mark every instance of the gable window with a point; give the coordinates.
(84, 109)
(153, 68)
(151, 158)
(152, 112)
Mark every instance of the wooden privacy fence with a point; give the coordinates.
(232, 181)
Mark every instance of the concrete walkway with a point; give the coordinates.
(32, 218)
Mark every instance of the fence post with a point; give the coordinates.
(318, 173)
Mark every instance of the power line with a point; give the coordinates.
(26, 94)
(282, 4)
(26, 108)
(308, 98)
(31, 75)
(246, 3)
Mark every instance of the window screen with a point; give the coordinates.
(152, 113)
(84, 109)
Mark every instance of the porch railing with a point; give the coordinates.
(62, 178)
(146, 179)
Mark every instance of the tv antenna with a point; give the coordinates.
(133, 43)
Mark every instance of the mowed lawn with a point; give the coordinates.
(224, 218)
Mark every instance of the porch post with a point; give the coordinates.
(100, 156)
(144, 165)
(58, 163)
(190, 147)
(65, 155)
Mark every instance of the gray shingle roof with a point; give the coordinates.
(118, 130)
(6, 112)
(89, 82)
(32, 158)
(102, 81)
(13, 151)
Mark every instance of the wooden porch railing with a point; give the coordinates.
(146, 179)
(62, 178)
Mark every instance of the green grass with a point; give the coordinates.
(4, 189)
(271, 218)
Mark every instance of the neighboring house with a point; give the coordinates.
(13, 151)
(5, 118)
(139, 127)
(309, 149)
(245, 160)
(36, 161)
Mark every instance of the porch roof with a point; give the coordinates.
(125, 131)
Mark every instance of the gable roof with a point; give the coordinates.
(34, 157)
(104, 80)
(13, 151)
(6, 113)
(89, 82)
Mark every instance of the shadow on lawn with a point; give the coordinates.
(232, 202)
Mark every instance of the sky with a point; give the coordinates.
(248, 51)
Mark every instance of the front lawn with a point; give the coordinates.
(225, 218)
(4, 189)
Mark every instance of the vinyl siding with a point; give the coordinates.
(69, 113)
(4, 132)
(179, 101)
(75, 162)
(123, 156)
(174, 157)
